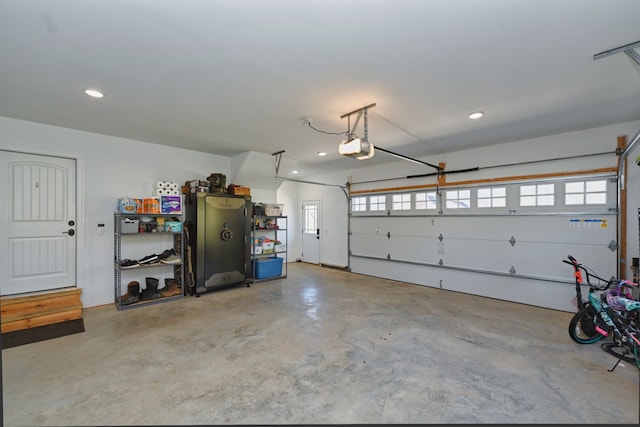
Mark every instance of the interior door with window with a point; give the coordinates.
(311, 231)
(37, 223)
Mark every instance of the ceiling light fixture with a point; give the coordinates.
(322, 153)
(476, 115)
(94, 93)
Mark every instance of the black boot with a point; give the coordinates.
(132, 295)
(151, 290)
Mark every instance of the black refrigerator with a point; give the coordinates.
(218, 227)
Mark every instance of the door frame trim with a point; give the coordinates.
(80, 219)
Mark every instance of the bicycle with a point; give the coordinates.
(606, 314)
(582, 328)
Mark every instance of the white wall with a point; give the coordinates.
(108, 168)
(288, 196)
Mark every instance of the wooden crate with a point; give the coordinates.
(238, 190)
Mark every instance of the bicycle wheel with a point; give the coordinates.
(582, 327)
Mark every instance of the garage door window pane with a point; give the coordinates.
(425, 200)
(401, 202)
(359, 204)
(586, 193)
(377, 203)
(492, 197)
(537, 195)
(458, 199)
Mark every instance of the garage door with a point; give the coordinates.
(503, 241)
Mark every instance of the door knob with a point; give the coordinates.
(71, 232)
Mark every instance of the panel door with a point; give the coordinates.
(38, 223)
(311, 231)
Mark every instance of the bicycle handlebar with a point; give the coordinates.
(578, 266)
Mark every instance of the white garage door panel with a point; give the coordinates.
(551, 295)
(369, 245)
(577, 229)
(527, 258)
(413, 248)
(409, 273)
(540, 259)
(472, 245)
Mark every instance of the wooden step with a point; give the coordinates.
(35, 310)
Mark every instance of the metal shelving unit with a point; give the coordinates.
(275, 228)
(177, 244)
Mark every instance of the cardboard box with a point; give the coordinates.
(173, 226)
(238, 190)
(268, 267)
(171, 204)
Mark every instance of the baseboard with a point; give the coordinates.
(41, 333)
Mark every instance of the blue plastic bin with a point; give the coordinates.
(268, 267)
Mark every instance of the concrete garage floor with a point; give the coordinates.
(321, 346)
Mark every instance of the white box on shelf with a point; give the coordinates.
(129, 226)
(273, 209)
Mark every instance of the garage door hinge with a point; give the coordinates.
(440, 237)
(388, 256)
(512, 241)
(388, 234)
(512, 270)
(440, 262)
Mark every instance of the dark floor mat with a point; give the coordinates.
(41, 333)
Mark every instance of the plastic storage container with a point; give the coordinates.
(268, 267)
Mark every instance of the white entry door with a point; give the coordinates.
(37, 223)
(311, 231)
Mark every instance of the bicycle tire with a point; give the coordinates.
(582, 327)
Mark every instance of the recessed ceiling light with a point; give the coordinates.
(321, 153)
(476, 115)
(94, 93)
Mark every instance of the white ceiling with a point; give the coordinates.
(229, 76)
